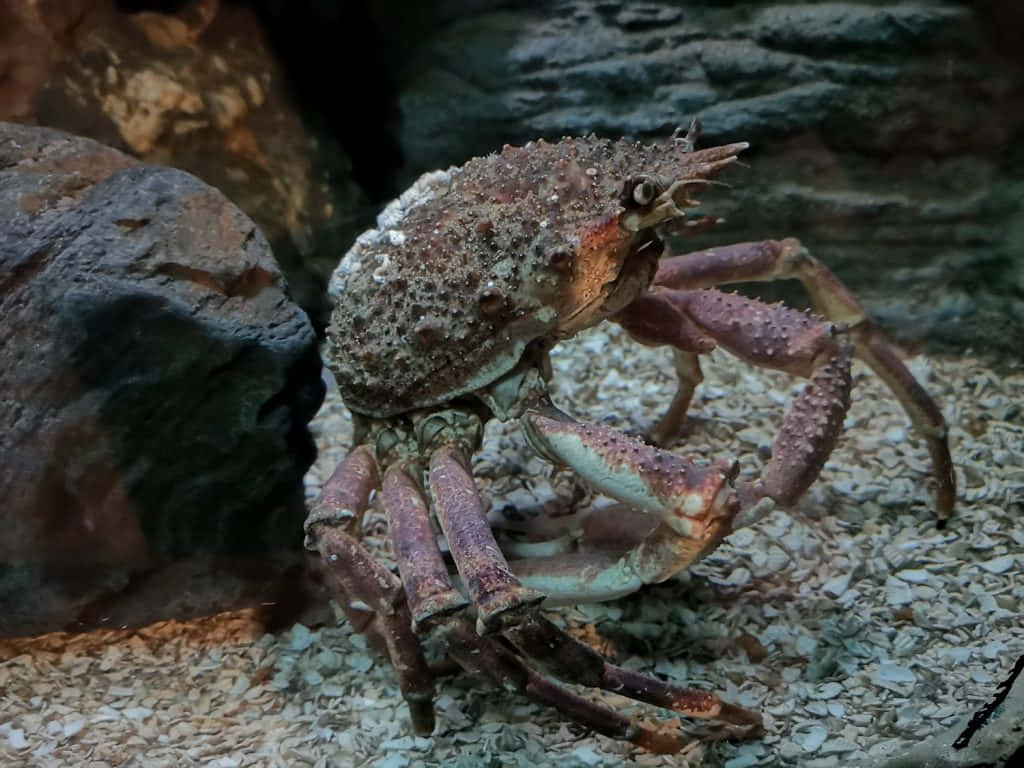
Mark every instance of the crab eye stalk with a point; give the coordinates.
(640, 191)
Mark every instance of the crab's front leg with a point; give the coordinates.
(773, 337)
(370, 595)
(788, 259)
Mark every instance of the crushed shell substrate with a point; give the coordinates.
(851, 621)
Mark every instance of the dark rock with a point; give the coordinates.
(201, 91)
(155, 379)
(886, 135)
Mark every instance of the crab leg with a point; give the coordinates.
(654, 319)
(440, 611)
(688, 376)
(492, 660)
(784, 259)
(798, 343)
(694, 507)
(557, 652)
(420, 564)
(496, 593)
(370, 595)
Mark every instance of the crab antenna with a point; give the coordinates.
(692, 135)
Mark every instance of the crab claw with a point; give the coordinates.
(693, 508)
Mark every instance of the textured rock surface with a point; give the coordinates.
(155, 380)
(200, 91)
(885, 134)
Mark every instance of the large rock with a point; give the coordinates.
(199, 90)
(887, 135)
(155, 379)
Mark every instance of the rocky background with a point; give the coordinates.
(885, 133)
(155, 389)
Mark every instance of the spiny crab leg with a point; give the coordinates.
(654, 319)
(496, 593)
(370, 595)
(783, 259)
(774, 336)
(694, 505)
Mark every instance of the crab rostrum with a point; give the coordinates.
(444, 317)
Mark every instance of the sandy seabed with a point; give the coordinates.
(850, 620)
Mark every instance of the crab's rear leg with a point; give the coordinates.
(654, 319)
(785, 259)
(370, 595)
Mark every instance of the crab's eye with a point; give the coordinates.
(641, 191)
(644, 192)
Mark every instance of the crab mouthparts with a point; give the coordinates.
(634, 277)
(631, 281)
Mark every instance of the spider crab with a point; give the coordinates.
(443, 319)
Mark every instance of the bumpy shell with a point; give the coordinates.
(472, 264)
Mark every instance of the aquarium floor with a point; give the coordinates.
(850, 620)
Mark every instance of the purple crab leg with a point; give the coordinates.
(558, 651)
(492, 660)
(370, 595)
(496, 593)
(345, 495)
(774, 336)
(785, 259)
(420, 564)
(653, 319)
(688, 376)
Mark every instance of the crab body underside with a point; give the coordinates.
(444, 317)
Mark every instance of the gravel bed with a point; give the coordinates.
(850, 620)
